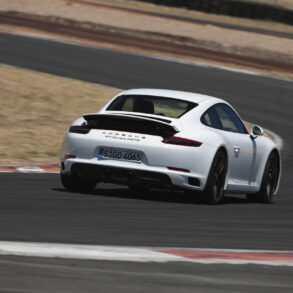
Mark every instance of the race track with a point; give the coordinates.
(35, 207)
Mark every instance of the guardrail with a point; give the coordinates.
(236, 8)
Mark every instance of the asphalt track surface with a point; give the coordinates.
(35, 207)
(71, 276)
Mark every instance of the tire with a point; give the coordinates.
(214, 191)
(77, 184)
(269, 181)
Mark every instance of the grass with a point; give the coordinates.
(36, 110)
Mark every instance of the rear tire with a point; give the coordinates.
(269, 181)
(77, 184)
(214, 191)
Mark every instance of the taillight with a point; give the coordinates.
(181, 141)
(68, 156)
(83, 129)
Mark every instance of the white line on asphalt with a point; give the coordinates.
(30, 169)
(135, 254)
(94, 252)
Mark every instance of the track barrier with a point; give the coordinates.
(243, 9)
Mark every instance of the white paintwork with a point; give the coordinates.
(245, 166)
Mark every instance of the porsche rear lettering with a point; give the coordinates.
(123, 136)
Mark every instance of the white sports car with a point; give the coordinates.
(158, 138)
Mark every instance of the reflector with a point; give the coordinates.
(178, 169)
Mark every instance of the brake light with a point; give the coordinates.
(181, 141)
(83, 129)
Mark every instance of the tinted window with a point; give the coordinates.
(210, 118)
(221, 116)
(229, 119)
(162, 106)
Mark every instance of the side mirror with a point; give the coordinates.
(256, 131)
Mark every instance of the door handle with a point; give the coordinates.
(236, 149)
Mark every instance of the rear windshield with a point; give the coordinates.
(162, 106)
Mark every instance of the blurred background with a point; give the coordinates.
(249, 35)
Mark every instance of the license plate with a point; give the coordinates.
(119, 155)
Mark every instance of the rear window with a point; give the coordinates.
(173, 108)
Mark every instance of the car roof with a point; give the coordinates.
(181, 95)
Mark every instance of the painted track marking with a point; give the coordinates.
(31, 169)
(146, 254)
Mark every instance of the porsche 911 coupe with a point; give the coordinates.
(146, 138)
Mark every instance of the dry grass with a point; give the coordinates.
(37, 108)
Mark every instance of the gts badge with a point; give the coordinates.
(123, 136)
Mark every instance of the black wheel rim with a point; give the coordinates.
(219, 178)
(272, 176)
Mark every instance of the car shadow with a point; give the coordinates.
(158, 195)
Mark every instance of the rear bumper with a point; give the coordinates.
(121, 175)
(127, 173)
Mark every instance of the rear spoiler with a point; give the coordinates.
(130, 123)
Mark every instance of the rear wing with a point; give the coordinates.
(130, 123)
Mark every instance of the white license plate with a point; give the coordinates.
(115, 154)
